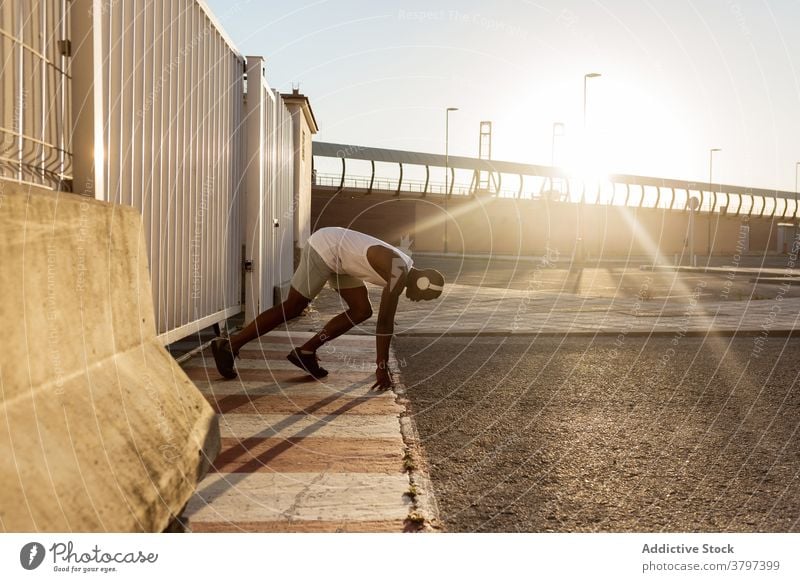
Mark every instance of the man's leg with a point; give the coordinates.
(358, 310)
(270, 319)
(307, 281)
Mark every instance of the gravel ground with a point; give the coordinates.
(611, 434)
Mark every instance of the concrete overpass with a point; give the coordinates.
(528, 208)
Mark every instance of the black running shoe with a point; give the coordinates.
(307, 362)
(223, 357)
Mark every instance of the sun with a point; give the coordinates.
(588, 164)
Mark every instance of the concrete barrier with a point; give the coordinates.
(100, 430)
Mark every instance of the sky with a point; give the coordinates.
(677, 78)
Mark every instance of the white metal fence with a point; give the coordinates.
(283, 200)
(149, 111)
(35, 108)
(269, 169)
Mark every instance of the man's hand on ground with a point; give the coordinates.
(384, 380)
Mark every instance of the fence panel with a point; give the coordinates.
(161, 89)
(283, 194)
(268, 174)
(35, 109)
(256, 238)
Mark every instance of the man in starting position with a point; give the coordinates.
(345, 259)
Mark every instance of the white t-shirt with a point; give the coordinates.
(345, 252)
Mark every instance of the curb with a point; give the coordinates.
(605, 333)
(426, 508)
(634, 260)
(722, 270)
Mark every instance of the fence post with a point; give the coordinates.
(86, 66)
(254, 184)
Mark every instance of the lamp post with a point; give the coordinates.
(694, 204)
(585, 78)
(446, 168)
(714, 198)
(558, 131)
(794, 218)
(579, 241)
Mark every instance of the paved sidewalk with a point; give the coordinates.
(301, 455)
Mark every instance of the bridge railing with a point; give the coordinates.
(534, 182)
(386, 184)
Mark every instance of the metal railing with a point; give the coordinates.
(35, 109)
(534, 182)
(386, 184)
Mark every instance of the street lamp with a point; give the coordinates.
(794, 241)
(694, 204)
(558, 131)
(446, 167)
(713, 198)
(579, 229)
(585, 77)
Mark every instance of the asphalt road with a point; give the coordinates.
(613, 280)
(611, 434)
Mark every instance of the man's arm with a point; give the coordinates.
(386, 313)
(394, 270)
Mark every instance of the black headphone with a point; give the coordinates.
(423, 284)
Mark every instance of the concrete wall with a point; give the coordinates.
(525, 227)
(387, 218)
